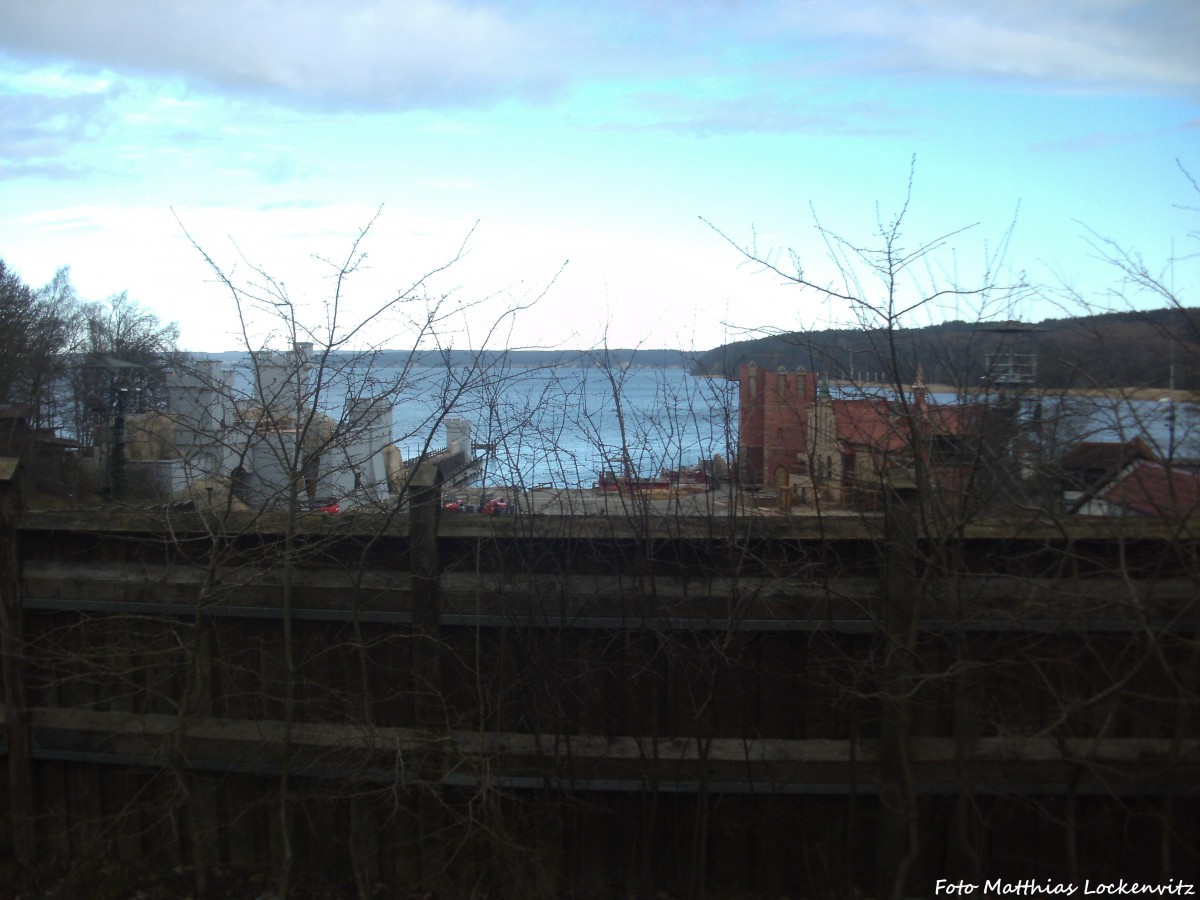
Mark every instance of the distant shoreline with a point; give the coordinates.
(674, 360)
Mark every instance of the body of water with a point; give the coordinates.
(562, 426)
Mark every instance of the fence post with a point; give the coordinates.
(12, 650)
(424, 507)
(901, 601)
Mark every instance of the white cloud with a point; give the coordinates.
(37, 130)
(1116, 45)
(452, 53)
(384, 53)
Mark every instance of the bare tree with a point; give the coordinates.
(38, 328)
(307, 426)
(993, 668)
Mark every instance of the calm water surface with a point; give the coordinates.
(562, 426)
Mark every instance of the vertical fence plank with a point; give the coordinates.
(424, 509)
(12, 650)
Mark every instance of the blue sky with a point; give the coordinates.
(588, 154)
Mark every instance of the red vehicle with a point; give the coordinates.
(495, 507)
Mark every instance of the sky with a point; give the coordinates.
(569, 174)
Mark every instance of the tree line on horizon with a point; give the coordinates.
(1155, 348)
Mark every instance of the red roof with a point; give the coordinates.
(867, 422)
(1153, 489)
(876, 423)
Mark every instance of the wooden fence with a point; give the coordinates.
(811, 706)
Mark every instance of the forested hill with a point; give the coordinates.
(1109, 350)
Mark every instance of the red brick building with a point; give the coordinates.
(792, 431)
(773, 414)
